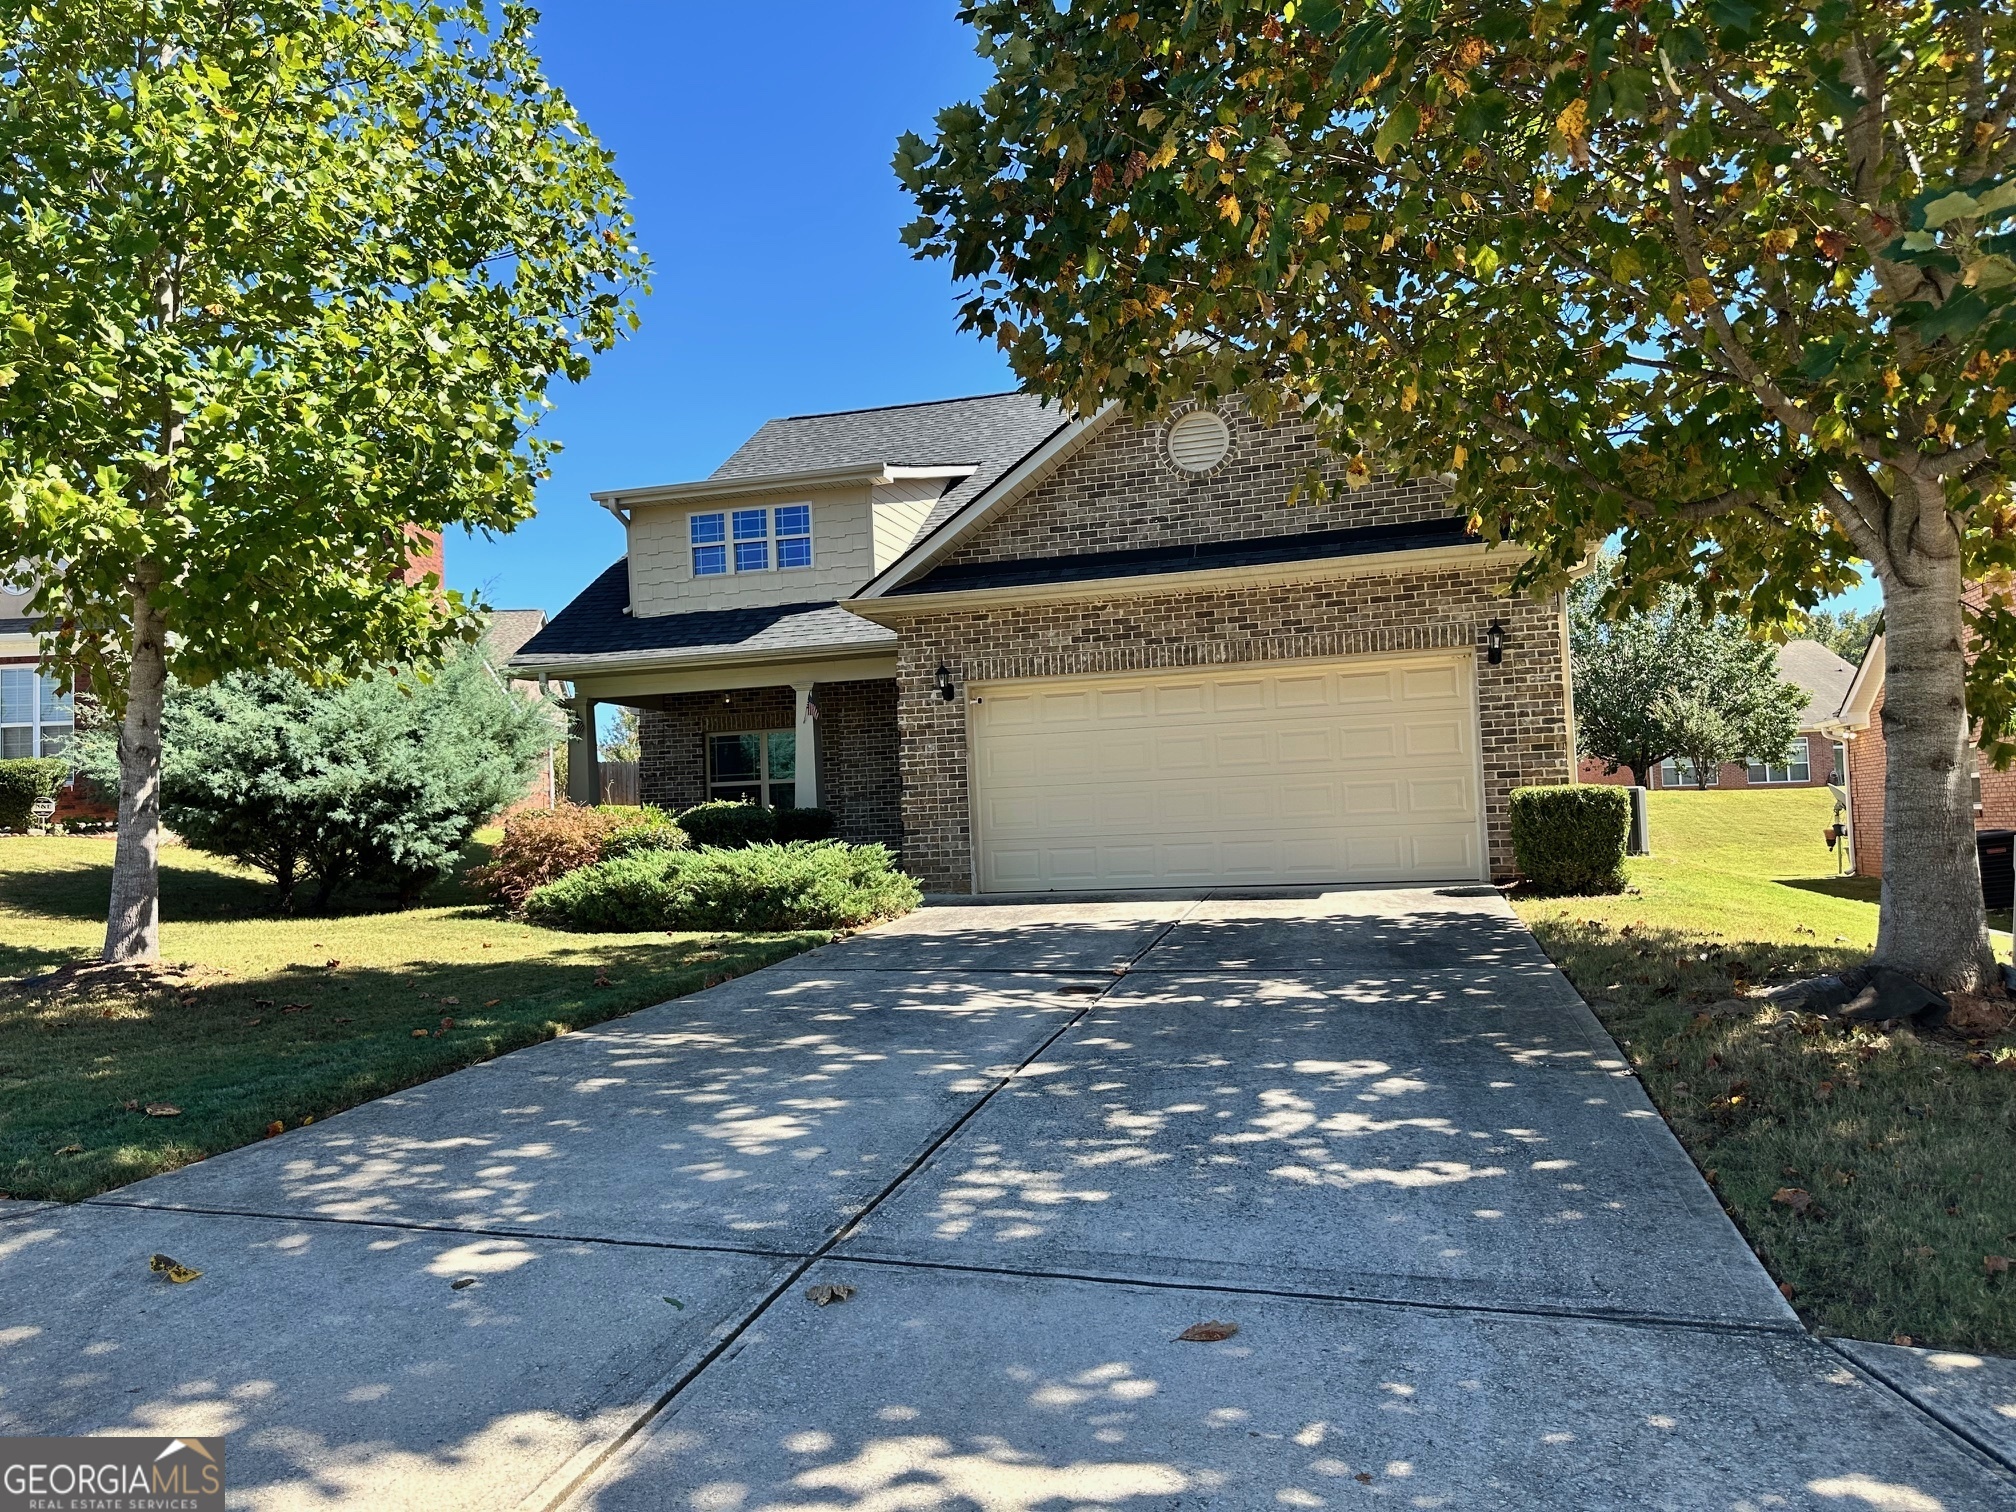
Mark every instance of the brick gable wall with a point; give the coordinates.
(1121, 494)
(1522, 703)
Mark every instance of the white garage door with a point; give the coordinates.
(1352, 771)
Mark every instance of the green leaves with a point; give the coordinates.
(282, 283)
(1400, 125)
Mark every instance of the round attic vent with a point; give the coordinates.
(1198, 440)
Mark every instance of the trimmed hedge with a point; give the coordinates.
(1571, 839)
(728, 823)
(24, 780)
(819, 885)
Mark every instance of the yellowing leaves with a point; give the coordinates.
(1543, 196)
(1700, 295)
(1779, 241)
(1573, 126)
(1315, 218)
(1228, 209)
(1355, 222)
(1357, 473)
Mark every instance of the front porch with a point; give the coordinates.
(819, 741)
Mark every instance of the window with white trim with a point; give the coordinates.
(36, 714)
(1798, 769)
(1678, 772)
(750, 540)
(754, 766)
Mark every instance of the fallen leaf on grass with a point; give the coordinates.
(1785, 1290)
(493, 1002)
(419, 1034)
(295, 1008)
(253, 1023)
(451, 1002)
(1901, 1339)
(71, 1150)
(826, 1293)
(342, 1021)
(1995, 1265)
(275, 1127)
(163, 1110)
(1212, 1332)
(602, 977)
(174, 1270)
(1796, 1198)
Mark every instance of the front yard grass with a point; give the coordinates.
(1871, 1172)
(269, 1019)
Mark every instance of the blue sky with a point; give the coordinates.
(756, 144)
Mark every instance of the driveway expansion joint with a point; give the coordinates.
(1996, 1456)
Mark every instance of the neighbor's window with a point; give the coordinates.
(1840, 763)
(35, 714)
(1678, 772)
(759, 536)
(1798, 769)
(757, 766)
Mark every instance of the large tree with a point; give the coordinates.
(1730, 277)
(1666, 682)
(281, 282)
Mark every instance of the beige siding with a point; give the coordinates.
(661, 563)
(900, 511)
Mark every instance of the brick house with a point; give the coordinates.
(1815, 759)
(1040, 652)
(1859, 726)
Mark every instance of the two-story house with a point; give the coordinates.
(1036, 651)
(36, 711)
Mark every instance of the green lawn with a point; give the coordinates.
(271, 1019)
(1870, 1171)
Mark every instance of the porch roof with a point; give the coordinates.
(598, 633)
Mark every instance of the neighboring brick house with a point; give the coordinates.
(1039, 652)
(1859, 724)
(37, 712)
(1815, 757)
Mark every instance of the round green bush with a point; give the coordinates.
(24, 780)
(729, 824)
(1571, 840)
(816, 885)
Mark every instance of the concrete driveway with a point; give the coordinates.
(1376, 1131)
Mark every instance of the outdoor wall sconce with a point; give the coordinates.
(1494, 643)
(945, 689)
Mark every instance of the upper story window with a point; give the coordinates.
(35, 714)
(751, 540)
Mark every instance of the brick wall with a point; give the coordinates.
(1869, 766)
(1522, 702)
(1121, 493)
(425, 556)
(1734, 774)
(858, 776)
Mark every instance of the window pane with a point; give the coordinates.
(794, 520)
(55, 739)
(734, 794)
(783, 756)
(752, 524)
(55, 702)
(735, 758)
(1759, 772)
(710, 561)
(17, 695)
(796, 553)
(783, 795)
(16, 741)
(752, 556)
(708, 527)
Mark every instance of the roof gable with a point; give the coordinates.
(1820, 674)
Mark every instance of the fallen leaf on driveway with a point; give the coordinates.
(827, 1292)
(174, 1270)
(675, 1302)
(1796, 1198)
(163, 1110)
(1363, 1477)
(1207, 1333)
(458, 1285)
(1903, 1339)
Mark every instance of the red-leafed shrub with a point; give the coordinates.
(543, 845)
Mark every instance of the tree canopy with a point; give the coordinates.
(280, 283)
(1666, 682)
(1728, 280)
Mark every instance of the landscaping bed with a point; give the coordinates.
(1870, 1170)
(266, 1019)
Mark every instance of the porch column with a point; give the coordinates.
(584, 776)
(807, 793)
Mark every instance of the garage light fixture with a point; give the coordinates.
(945, 689)
(1494, 643)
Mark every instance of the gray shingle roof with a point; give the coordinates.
(508, 629)
(1820, 673)
(595, 625)
(994, 431)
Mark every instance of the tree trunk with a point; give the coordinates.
(1933, 925)
(133, 922)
